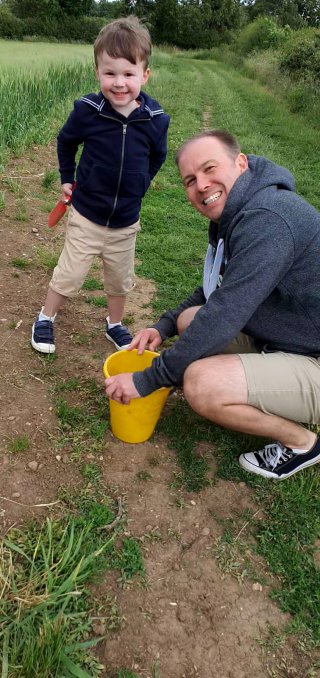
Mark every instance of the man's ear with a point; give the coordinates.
(242, 162)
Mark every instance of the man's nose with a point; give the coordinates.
(202, 182)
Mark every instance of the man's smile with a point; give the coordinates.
(212, 198)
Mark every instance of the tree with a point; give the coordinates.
(164, 20)
(76, 9)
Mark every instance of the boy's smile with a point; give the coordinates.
(121, 81)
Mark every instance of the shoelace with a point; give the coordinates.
(273, 454)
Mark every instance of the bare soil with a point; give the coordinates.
(192, 620)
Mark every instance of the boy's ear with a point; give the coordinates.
(146, 76)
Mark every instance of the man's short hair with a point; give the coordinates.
(125, 38)
(228, 140)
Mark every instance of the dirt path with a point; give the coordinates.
(192, 620)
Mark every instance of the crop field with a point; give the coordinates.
(161, 559)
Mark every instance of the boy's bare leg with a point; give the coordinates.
(116, 308)
(54, 301)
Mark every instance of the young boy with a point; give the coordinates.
(124, 136)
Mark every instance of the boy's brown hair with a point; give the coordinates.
(125, 38)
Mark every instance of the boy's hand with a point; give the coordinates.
(66, 191)
(149, 338)
(121, 388)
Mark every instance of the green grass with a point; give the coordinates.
(23, 264)
(92, 283)
(37, 56)
(171, 248)
(97, 301)
(19, 444)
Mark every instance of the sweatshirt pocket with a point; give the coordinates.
(133, 185)
(100, 180)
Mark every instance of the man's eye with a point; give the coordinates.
(189, 182)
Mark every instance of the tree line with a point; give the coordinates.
(188, 24)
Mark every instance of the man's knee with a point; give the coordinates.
(186, 317)
(199, 389)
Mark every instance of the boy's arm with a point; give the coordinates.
(68, 142)
(158, 153)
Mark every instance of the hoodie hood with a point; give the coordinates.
(261, 174)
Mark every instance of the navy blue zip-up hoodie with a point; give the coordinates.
(119, 159)
(271, 284)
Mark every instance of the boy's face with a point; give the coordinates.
(121, 81)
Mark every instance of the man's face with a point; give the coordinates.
(208, 173)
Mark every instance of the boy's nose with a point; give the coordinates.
(119, 80)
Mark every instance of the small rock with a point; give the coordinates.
(34, 230)
(176, 567)
(205, 532)
(192, 502)
(256, 586)
(58, 457)
(90, 455)
(12, 418)
(33, 465)
(16, 495)
(65, 459)
(5, 460)
(98, 629)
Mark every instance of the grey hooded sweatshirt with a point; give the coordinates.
(270, 287)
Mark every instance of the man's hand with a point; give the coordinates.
(149, 338)
(121, 388)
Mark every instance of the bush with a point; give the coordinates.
(84, 29)
(10, 26)
(261, 34)
(301, 55)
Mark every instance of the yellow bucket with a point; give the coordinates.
(134, 423)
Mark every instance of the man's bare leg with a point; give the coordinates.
(216, 388)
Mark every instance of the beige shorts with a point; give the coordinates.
(280, 383)
(86, 240)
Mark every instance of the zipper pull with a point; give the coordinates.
(124, 129)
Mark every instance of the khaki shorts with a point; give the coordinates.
(86, 240)
(280, 383)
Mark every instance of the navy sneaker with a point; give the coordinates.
(119, 335)
(42, 338)
(278, 461)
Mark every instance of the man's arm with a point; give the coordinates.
(167, 324)
(261, 253)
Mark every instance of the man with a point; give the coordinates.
(248, 353)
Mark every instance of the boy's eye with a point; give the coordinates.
(128, 75)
